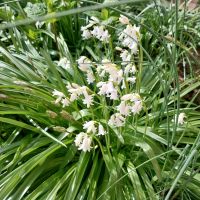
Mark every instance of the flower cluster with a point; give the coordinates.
(114, 83)
(84, 139)
(85, 65)
(181, 118)
(130, 35)
(64, 63)
(61, 98)
(130, 104)
(94, 29)
(76, 91)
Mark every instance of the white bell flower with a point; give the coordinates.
(84, 64)
(86, 144)
(181, 118)
(64, 63)
(123, 108)
(131, 97)
(83, 142)
(88, 100)
(90, 127)
(90, 77)
(59, 96)
(101, 130)
(65, 102)
(86, 34)
(123, 19)
(137, 107)
(116, 120)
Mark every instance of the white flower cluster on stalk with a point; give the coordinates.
(84, 139)
(108, 82)
(61, 98)
(96, 30)
(85, 65)
(181, 118)
(76, 91)
(130, 35)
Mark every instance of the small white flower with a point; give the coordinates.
(129, 37)
(64, 63)
(123, 85)
(94, 20)
(107, 89)
(79, 138)
(101, 130)
(131, 97)
(86, 34)
(105, 36)
(181, 118)
(86, 144)
(131, 79)
(90, 77)
(76, 90)
(88, 100)
(39, 24)
(123, 108)
(59, 96)
(123, 19)
(114, 95)
(130, 68)
(118, 48)
(137, 107)
(84, 63)
(126, 57)
(90, 127)
(83, 142)
(116, 120)
(115, 75)
(65, 102)
(100, 33)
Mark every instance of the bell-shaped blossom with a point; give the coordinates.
(90, 77)
(129, 37)
(116, 120)
(84, 64)
(83, 142)
(124, 108)
(79, 138)
(130, 103)
(129, 69)
(88, 99)
(86, 33)
(59, 96)
(126, 57)
(90, 127)
(131, 97)
(100, 33)
(181, 118)
(76, 91)
(101, 130)
(115, 74)
(64, 63)
(108, 89)
(65, 102)
(136, 107)
(123, 19)
(131, 79)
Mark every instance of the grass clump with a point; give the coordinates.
(93, 105)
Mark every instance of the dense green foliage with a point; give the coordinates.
(153, 157)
